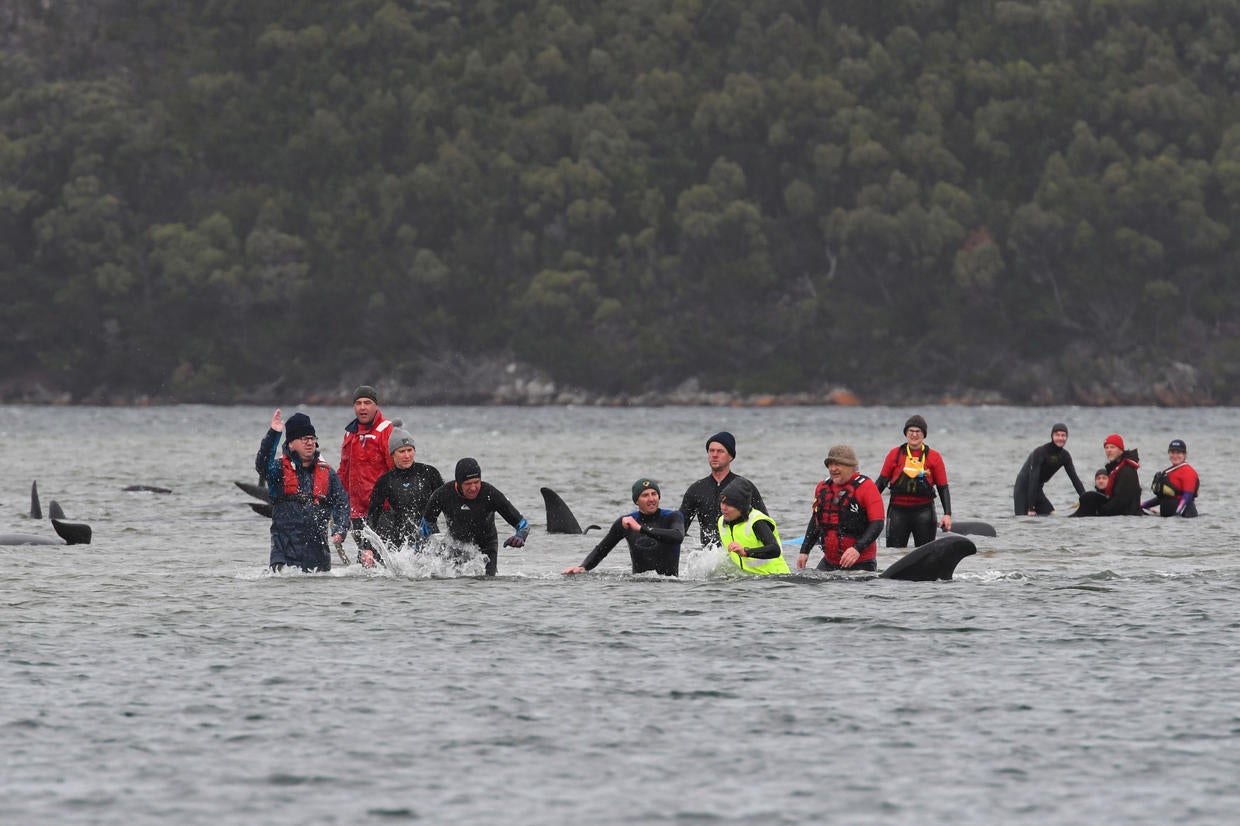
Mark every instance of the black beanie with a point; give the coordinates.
(366, 392)
(467, 469)
(297, 427)
(726, 439)
(918, 422)
(738, 494)
(1059, 426)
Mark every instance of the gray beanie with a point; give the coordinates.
(841, 455)
(918, 422)
(399, 438)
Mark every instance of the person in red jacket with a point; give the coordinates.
(1175, 489)
(847, 516)
(915, 473)
(364, 457)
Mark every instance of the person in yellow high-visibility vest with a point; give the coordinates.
(748, 535)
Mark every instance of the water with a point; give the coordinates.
(1076, 671)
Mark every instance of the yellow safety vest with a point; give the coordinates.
(744, 535)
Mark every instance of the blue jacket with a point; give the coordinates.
(299, 527)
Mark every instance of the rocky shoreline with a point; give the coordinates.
(497, 382)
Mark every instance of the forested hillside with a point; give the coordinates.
(199, 198)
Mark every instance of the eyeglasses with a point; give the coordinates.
(314, 439)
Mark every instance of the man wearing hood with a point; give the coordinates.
(469, 505)
(748, 535)
(1043, 463)
(306, 495)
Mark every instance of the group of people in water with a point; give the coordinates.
(1117, 487)
(380, 487)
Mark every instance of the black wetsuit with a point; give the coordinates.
(473, 520)
(406, 493)
(1125, 498)
(702, 501)
(1043, 463)
(656, 547)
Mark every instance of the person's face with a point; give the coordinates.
(1100, 481)
(648, 500)
(914, 436)
(365, 410)
(304, 447)
(1060, 438)
(1112, 451)
(718, 457)
(1177, 457)
(403, 457)
(731, 513)
(470, 488)
(839, 473)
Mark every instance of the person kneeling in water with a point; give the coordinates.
(747, 534)
(1175, 489)
(847, 517)
(654, 535)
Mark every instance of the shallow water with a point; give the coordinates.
(1076, 671)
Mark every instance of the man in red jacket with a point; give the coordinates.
(364, 457)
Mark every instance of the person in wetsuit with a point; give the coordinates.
(654, 535)
(469, 505)
(847, 517)
(399, 496)
(701, 500)
(1043, 463)
(1122, 496)
(915, 472)
(748, 535)
(1175, 489)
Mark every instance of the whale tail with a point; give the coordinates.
(972, 528)
(935, 560)
(73, 533)
(54, 510)
(257, 491)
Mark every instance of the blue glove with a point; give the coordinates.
(425, 527)
(514, 542)
(1186, 499)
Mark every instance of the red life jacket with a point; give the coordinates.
(1110, 489)
(840, 515)
(321, 480)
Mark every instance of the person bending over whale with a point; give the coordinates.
(1175, 489)
(1122, 495)
(915, 472)
(404, 491)
(654, 535)
(747, 534)
(847, 517)
(469, 505)
(1043, 463)
(306, 495)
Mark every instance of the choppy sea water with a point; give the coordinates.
(1075, 671)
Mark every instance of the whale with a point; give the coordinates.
(936, 560)
(966, 527)
(67, 533)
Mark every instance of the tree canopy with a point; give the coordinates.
(763, 195)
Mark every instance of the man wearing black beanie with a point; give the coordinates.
(1043, 463)
(654, 535)
(701, 500)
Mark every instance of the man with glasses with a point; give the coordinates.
(915, 473)
(306, 495)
